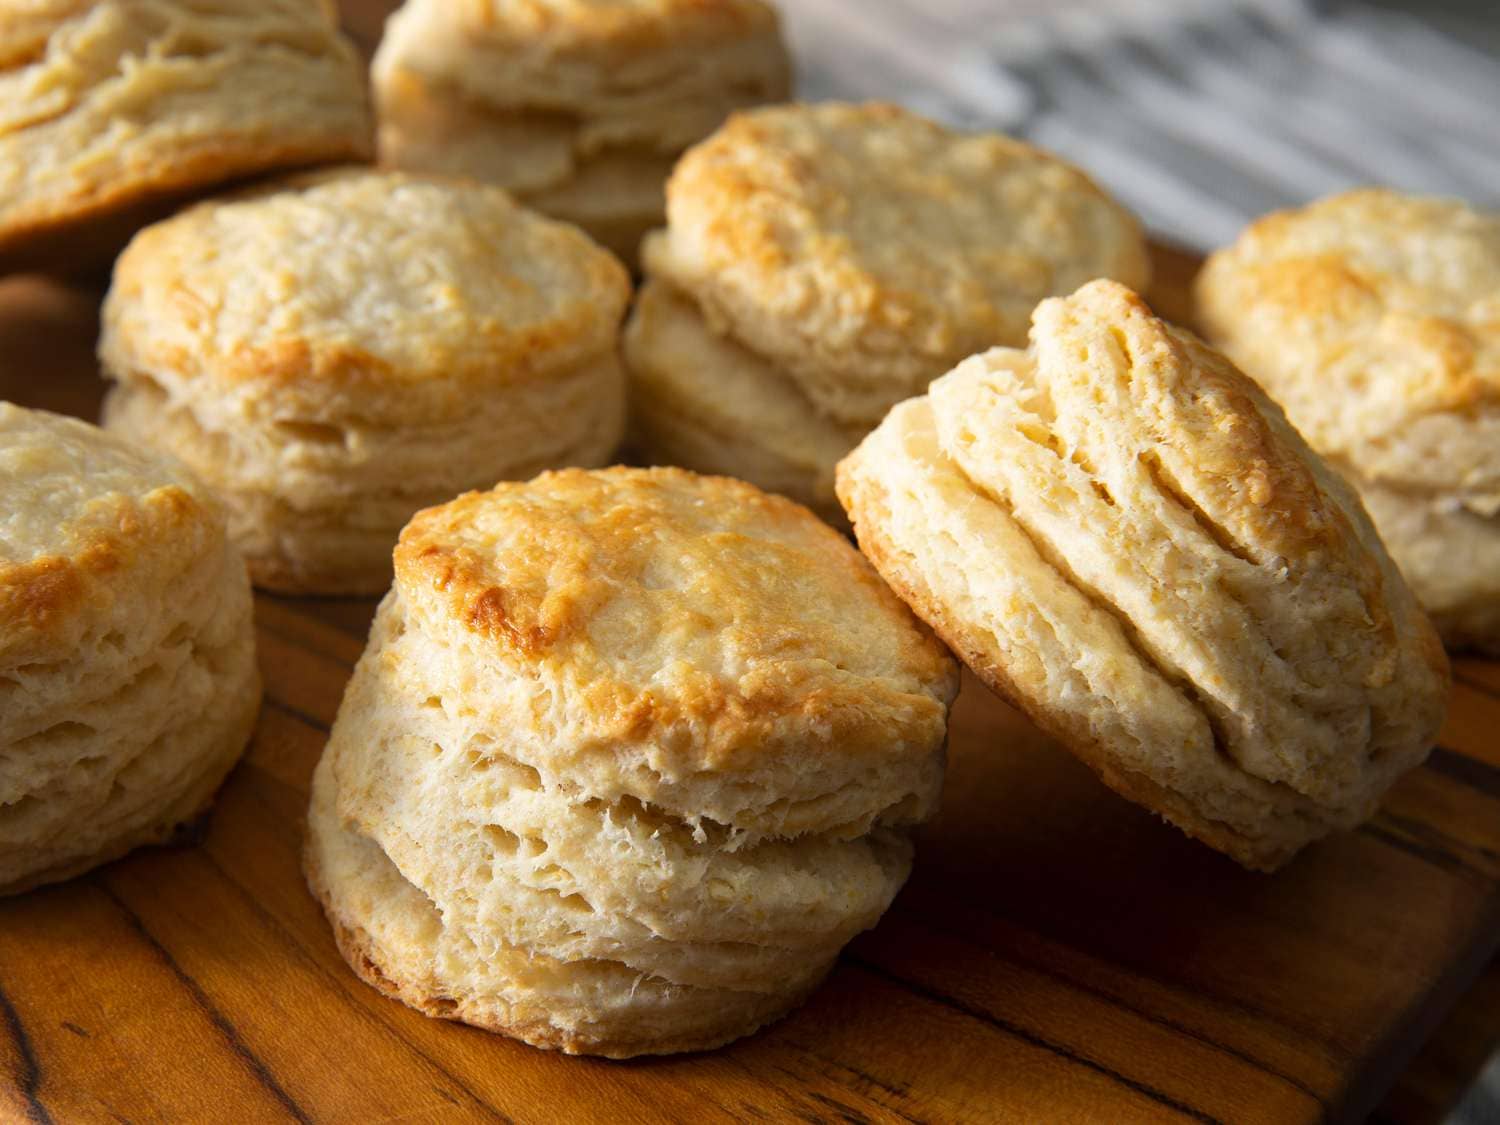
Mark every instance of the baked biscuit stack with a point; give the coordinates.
(578, 107)
(1119, 532)
(1374, 318)
(335, 352)
(114, 107)
(630, 756)
(822, 263)
(128, 684)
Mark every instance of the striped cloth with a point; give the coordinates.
(1198, 114)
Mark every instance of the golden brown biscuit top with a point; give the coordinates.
(80, 509)
(1366, 314)
(870, 242)
(363, 279)
(697, 607)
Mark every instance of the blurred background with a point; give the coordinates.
(1200, 115)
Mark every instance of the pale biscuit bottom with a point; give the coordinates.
(973, 573)
(468, 884)
(700, 400)
(394, 937)
(131, 738)
(316, 503)
(1450, 555)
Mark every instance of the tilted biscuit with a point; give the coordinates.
(1374, 318)
(336, 351)
(109, 108)
(630, 756)
(579, 108)
(128, 683)
(1121, 533)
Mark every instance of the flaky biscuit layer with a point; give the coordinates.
(128, 683)
(113, 103)
(1129, 541)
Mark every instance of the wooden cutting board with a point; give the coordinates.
(1058, 954)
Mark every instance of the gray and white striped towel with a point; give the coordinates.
(1198, 114)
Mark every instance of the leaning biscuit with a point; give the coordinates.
(1374, 319)
(833, 260)
(1119, 532)
(114, 108)
(579, 109)
(336, 351)
(630, 756)
(128, 682)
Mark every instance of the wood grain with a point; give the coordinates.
(1058, 954)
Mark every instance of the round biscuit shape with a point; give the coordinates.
(128, 682)
(598, 781)
(863, 250)
(1374, 318)
(337, 351)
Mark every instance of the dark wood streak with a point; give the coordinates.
(869, 1081)
(1015, 1031)
(1429, 854)
(289, 939)
(30, 1078)
(1157, 1020)
(1476, 685)
(252, 1062)
(310, 721)
(1334, 1052)
(301, 645)
(846, 1112)
(1465, 770)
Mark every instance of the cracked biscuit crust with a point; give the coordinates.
(707, 646)
(864, 250)
(1121, 533)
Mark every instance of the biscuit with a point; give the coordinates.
(128, 682)
(1374, 318)
(1120, 533)
(848, 255)
(115, 108)
(698, 398)
(629, 757)
(337, 351)
(579, 109)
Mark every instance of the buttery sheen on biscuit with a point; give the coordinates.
(1120, 533)
(128, 682)
(337, 351)
(110, 106)
(823, 262)
(631, 754)
(1374, 319)
(578, 107)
